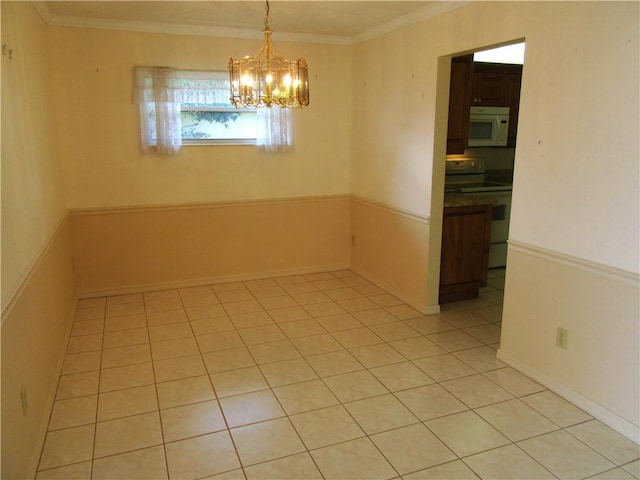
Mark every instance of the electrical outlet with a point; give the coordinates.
(23, 400)
(562, 338)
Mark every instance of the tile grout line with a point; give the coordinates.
(95, 425)
(155, 386)
(217, 398)
(289, 339)
(271, 390)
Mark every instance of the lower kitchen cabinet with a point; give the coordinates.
(464, 262)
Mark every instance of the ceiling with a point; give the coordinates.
(333, 21)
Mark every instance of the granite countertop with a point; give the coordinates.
(465, 200)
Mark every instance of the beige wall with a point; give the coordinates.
(390, 244)
(577, 169)
(35, 328)
(103, 164)
(200, 195)
(598, 306)
(116, 251)
(37, 283)
(32, 196)
(576, 173)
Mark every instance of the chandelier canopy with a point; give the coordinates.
(268, 79)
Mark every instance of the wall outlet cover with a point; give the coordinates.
(562, 338)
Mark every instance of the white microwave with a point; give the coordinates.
(488, 126)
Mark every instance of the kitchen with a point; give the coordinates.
(483, 117)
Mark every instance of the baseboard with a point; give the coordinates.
(427, 310)
(105, 292)
(606, 416)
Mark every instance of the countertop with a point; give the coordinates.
(465, 200)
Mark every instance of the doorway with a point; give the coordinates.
(496, 82)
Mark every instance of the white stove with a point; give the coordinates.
(467, 176)
(474, 187)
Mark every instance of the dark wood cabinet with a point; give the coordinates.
(459, 102)
(464, 261)
(493, 83)
(480, 84)
(512, 97)
(488, 90)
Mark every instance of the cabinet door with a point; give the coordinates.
(459, 103)
(464, 260)
(512, 98)
(488, 90)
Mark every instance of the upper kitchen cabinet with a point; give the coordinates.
(481, 84)
(512, 96)
(498, 85)
(493, 84)
(459, 103)
(488, 90)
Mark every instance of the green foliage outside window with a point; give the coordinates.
(217, 124)
(192, 131)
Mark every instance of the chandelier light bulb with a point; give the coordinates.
(267, 79)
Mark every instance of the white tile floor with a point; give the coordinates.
(312, 376)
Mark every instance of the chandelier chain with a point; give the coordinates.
(267, 18)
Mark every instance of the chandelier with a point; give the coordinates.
(268, 79)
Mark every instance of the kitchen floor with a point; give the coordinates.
(310, 376)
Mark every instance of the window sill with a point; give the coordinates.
(246, 142)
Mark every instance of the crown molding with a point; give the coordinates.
(251, 34)
(42, 8)
(179, 29)
(410, 19)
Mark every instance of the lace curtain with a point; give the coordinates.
(160, 91)
(274, 130)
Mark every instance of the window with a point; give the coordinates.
(209, 123)
(194, 107)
